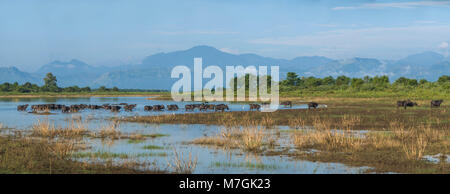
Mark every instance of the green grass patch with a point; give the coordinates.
(135, 141)
(101, 155)
(152, 147)
(155, 135)
(249, 165)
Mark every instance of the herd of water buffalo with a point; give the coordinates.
(409, 103)
(173, 107)
(117, 107)
(76, 107)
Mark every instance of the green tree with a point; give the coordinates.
(357, 82)
(342, 80)
(50, 83)
(443, 79)
(328, 80)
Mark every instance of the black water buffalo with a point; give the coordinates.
(148, 108)
(189, 107)
(65, 109)
(203, 107)
(22, 107)
(254, 106)
(94, 107)
(173, 107)
(115, 108)
(129, 107)
(287, 103)
(211, 106)
(197, 106)
(313, 105)
(436, 103)
(406, 103)
(158, 107)
(221, 107)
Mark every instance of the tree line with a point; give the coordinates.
(50, 85)
(367, 83)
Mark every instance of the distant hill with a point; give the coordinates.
(154, 71)
(12, 74)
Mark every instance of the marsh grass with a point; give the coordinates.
(327, 140)
(250, 138)
(32, 155)
(111, 131)
(183, 164)
(74, 129)
(152, 147)
(354, 131)
(248, 165)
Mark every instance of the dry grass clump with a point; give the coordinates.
(181, 164)
(75, 129)
(320, 123)
(348, 122)
(327, 140)
(215, 140)
(251, 138)
(297, 123)
(111, 131)
(415, 148)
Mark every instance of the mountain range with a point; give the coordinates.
(154, 71)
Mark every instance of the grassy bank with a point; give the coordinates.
(30, 155)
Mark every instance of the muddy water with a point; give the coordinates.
(209, 160)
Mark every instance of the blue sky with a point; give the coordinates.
(114, 32)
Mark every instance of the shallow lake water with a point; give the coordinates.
(209, 160)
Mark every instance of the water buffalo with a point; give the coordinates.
(115, 108)
(436, 103)
(287, 103)
(148, 108)
(221, 107)
(255, 106)
(172, 107)
(65, 109)
(313, 105)
(129, 107)
(203, 107)
(197, 106)
(94, 107)
(189, 107)
(22, 107)
(211, 106)
(158, 107)
(406, 103)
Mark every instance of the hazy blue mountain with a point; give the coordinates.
(154, 71)
(12, 74)
(428, 65)
(73, 72)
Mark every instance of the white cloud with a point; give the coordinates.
(394, 5)
(366, 40)
(229, 50)
(195, 32)
(443, 45)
